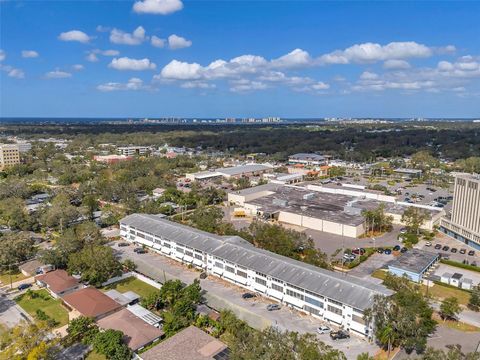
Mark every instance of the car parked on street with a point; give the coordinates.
(471, 253)
(273, 307)
(248, 296)
(428, 243)
(323, 329)
(349, 257)
(122, 244)
(338, 335)
(438, 246)
(462, 251)
(453, 250)
(403, 250)
(397, 248)
(24, 286)
(446, 248)
(387, 252)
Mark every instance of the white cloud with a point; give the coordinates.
(177, 70)
(120, 37)
(160, 7)
(320, 86)
(394, 64)
(157, 42)
(372, 52)
(3, 55)
(295, 58)
(57, 74)
(92, 57)
(78, 67)
(126, 63)
(16, 73)
(110, 52)
(132, 84)
(177, 42)
(197, 85)
(101, 28)
(367, 75)
(29, 54)
(245, 85)
(74, 35)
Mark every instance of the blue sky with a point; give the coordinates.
(155, 58)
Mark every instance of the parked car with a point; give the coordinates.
(358, 251)
(122, 244)
(273, 307)
(403, 230)
(323, 329)
(471, 253)
(380, 250)
(141, 251)
(446, 248)
(462, 251)
(438, 247)
(248, 296)
(454, 250)
(137, 249)
(24, 286)
(387, 252)
(340, 334)
(203, 275)
(349, 257)
(403, 250)
(397, 248)
(428, 243)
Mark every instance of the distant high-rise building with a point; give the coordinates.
(9, 155)
(464, 223)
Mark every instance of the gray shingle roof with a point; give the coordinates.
(349, 290)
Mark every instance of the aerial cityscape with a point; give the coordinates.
(239, 180)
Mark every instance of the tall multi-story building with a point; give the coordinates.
(9, 155)
(132, 150)
(464, 222)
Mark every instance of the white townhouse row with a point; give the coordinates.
(339, 298)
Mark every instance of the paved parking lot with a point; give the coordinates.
(221, 294)
(472, 275)
(451, 243)
(10, 313)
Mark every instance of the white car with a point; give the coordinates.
(323, 329)
(428, 243)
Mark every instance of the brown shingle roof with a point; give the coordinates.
(191, 343)
(137, 332)
(58, 280)
(91, 302)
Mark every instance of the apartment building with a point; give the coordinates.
(9, 155)
(321, 293)
(132, 150)
(464, 222)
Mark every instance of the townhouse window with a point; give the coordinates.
(198, 257)
(242, 273)
(218, 264)
(335, 310)
(358, 319)
(261, 281)
(294, 294)
(277, 287)
(188, 253)
(229, 269)
(314, 302)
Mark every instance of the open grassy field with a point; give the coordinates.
(16, 276)
(46, 303)
(131, 284)
(441, 292)
(95, 356)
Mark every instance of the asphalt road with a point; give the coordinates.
(10, 313)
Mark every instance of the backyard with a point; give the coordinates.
(131, 284)
(31, 301)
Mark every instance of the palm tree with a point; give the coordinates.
(388, 336)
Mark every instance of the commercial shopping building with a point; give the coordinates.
(9, 155)
(335, 211)
(464, 222)
(322, 293)
(414, 264)
(233, 172)
(308, 159)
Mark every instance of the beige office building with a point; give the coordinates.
(464, 222)
(9, 155)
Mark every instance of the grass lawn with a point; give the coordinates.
(131, 284)
(95, 356)
(49, 305)
(456, 325)
(16, 276)
(441, 292)
(379, 274)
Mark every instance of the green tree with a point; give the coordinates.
(14, 249)
(14, 214)
(110, 343)
(82, 329)
(474, 301)
(377, 220)
(129, 265)
(449, 308)
(414, 218)
(207, 218)
(96, 264)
